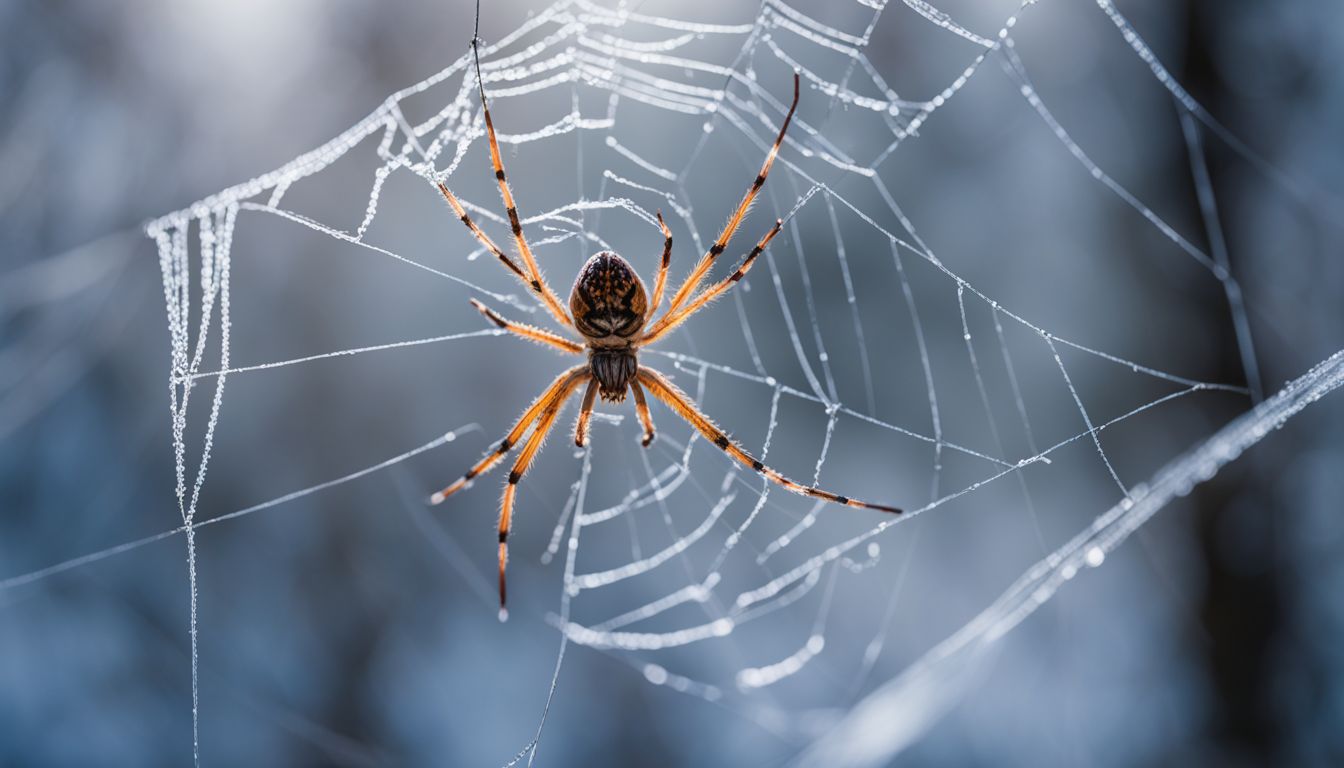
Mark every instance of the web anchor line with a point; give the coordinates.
(942, 668)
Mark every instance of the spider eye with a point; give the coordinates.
(608, 301)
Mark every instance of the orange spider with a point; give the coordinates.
(610, 311)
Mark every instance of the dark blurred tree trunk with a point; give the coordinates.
(1242, 608)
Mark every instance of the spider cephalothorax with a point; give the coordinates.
(615, 318)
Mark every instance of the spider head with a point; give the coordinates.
(608, 301)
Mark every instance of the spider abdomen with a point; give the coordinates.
(614, 369)
(608, 301)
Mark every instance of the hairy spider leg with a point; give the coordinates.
(485, 240)
(538, 284)
(529, 452)
(642, 409)
(585, 412)
(702, 268)
(666, 391)
(660, 282)
(569, 378)
(671, 321)
(529, 332)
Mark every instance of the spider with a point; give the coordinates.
(610, 310)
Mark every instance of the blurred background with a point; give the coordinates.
(356, 626)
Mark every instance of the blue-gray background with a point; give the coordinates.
(344, 629)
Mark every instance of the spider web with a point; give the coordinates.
(860, 355)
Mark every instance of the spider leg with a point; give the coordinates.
(529, 332)
(564, 383)
(702, 268)
(667, 392)
(538, 283)
(544, 423)
(585, 412)
(642, 409)
(660, 283)
(671, 320)
(533, 285)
